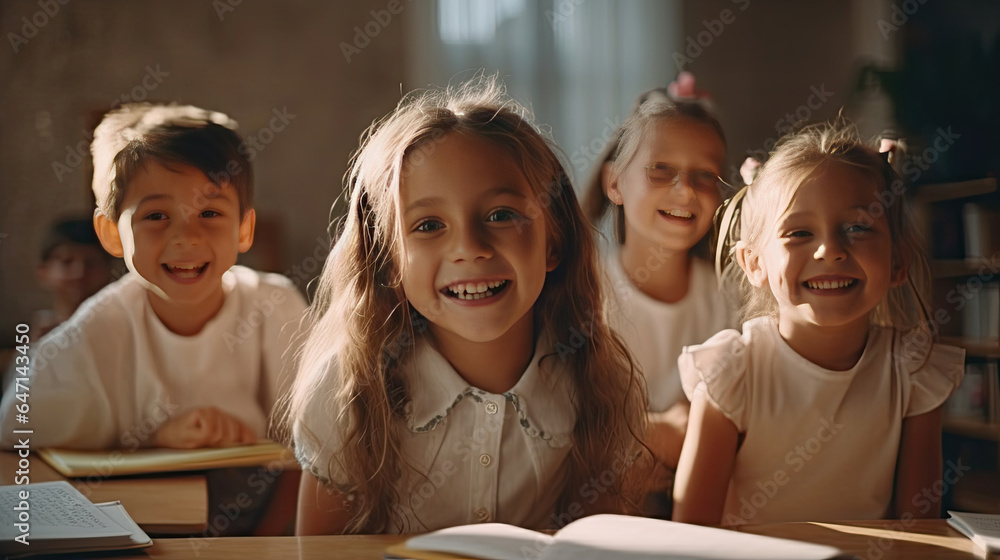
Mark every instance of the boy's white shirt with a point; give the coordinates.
(819, 445)
(656, 332)
(113, 373)
(475, 456)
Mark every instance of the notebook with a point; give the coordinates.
(606, 536)
(50, 517)
(982, 528)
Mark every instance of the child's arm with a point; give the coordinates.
(321, 511)
(665, 434)
(279, 516)
(706, 463)
(203, 427)
(918, 467)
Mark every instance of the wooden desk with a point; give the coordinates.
(176, 504)
(881, 540)
(870, 540)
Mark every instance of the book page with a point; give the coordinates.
(116, 512)
(55, 511)
(982, 528)
(620, 536)
(496, 541)
(616, 536)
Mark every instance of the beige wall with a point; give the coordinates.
(259, 57)
(777, 57)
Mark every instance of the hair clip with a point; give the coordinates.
(727, 231)
(727, 218)
(684, 88)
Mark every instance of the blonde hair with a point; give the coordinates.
(795, 159)
(361, 320)
(651, 108)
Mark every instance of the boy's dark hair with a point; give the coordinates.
(71, 230)
(130, 137)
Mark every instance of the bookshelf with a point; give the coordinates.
(961, 223)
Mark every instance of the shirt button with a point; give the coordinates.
(482, 514)
(485, 460)
(491, 407)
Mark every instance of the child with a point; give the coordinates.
(186, 350)
(73, 268)
(662, 177)
(828, 405)
(441, 383)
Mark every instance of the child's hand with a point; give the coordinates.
(203, 427)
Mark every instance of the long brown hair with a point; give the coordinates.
(361, 322)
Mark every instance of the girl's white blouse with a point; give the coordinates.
(656, 331)
(818, 444)
(470, 456)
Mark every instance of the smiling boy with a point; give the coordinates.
(163, 357)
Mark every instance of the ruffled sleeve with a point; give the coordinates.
(720, 365)
(930, 371)
(318, 438)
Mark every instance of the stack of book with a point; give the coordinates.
(105, 463)
(54, 517)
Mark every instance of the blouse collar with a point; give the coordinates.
(542, 397)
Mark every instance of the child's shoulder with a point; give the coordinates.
(732, 347)
(915, 351)
(266, 286)
(249, 279)
(758, 332)
(115, 309)
(929, 371)
(110, 304)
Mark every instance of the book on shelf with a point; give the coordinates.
(121, 462)
(605, 536)
(992, 374)
(990, 316)
(948, 241)
(981, 316)
(969, 399)
(979, 222)
(981, 235)
(54, 517)
(982, 528)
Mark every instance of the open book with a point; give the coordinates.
(982, 528)
(605, 536)
(51, 517)
(119, 462)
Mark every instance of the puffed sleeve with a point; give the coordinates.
(318, 435)
(720, 364)
(930, 371)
